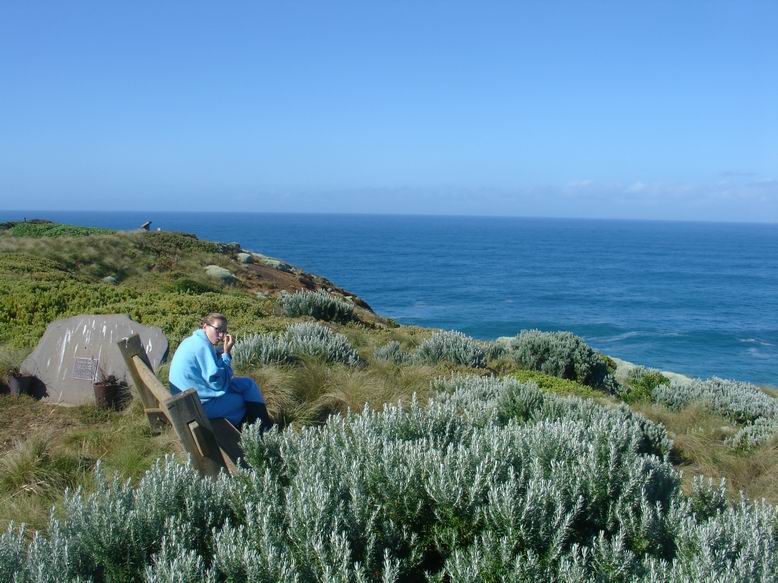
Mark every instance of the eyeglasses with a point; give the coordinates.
(217, 330)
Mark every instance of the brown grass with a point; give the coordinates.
(47, 448)
(700, 449)
(312, 391)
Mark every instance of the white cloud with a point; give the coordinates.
(636, 187)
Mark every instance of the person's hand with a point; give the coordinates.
(229, 342)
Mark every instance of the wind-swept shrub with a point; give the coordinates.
(392, 352)
(564, 355)
(495, 350)
(13, 554)
(299, 341)
(735, 544)
(427, 482)
(319, 304)
(263, 349)
(450, 346)
(480, 398)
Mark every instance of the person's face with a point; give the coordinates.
(215, 331)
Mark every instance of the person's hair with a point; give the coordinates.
(210, 318)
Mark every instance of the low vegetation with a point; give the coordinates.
(317, 304)
(45, 449)
(437, 491)
(396, 452)
(298, 342)
(641, 382)
(754, 411)
(564, 355)
(450, 346)
(41, 228)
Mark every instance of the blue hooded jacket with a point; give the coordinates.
(196, 365)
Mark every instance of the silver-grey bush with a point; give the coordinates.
(492, 480)
(450, 346)
(741, 402)
(299, 341)
(392, 352)
(319, 304)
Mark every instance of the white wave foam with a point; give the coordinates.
(618, 337)
(755, 341)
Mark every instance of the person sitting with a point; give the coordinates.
(197, 364)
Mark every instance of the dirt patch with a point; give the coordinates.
(259, 277)
(21, 417)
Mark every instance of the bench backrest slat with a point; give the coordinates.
(150, 380)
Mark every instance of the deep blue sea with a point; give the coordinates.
(695, 298)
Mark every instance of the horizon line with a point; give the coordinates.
(379, 214)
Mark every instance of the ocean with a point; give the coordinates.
(695, 298)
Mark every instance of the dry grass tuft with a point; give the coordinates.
(312, 391)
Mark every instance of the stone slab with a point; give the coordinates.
(77, 351)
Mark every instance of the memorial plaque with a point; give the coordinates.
(76, 352)
(85, 369)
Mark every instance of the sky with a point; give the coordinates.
(606, 109)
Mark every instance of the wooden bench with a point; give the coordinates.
(213, 444)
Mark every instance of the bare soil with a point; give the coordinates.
(21, 417)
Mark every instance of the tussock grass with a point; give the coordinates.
(57, 448)
(312, 391)
(34, 474)
(32, 466)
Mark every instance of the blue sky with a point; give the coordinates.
(572, 109)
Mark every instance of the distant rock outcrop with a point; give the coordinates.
(221, 273)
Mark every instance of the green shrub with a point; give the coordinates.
(564, 355)
(555, 384)
(47, 229)
(318, 304)
(163, 243)
(15, 265)
(190, 286)
(27, 307)
(640, 382)
(450, 346)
